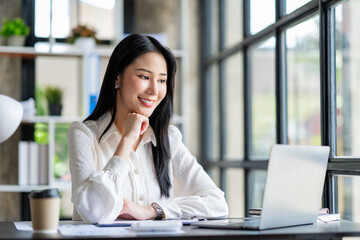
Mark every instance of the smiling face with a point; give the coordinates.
(142, 85)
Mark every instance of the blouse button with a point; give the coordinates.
(137, 171)
(141, 197)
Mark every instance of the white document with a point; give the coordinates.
(79, 228)
(328, 217)
(90, 230)
(128, 223)
(151, 226)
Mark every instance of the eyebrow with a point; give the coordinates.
(148, 71)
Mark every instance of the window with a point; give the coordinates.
(56, 18)
(283, 71)
(50, 21)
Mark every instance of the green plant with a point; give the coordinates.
(14, 27)
(53, 95)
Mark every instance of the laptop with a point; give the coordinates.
(293, 190)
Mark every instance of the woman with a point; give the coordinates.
(125, 159)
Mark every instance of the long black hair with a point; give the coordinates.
(123, 55)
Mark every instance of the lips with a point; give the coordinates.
(146, 102)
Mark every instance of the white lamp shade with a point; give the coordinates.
(11, 112)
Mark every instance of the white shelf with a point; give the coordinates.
(61, 50)
(62, 186)
(54, 50)
(54, 119)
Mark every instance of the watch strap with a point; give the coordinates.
(159, 210)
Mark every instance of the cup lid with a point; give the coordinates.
(47, 193)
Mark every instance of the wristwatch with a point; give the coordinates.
(159, 210)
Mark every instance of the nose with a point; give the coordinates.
(152, 88)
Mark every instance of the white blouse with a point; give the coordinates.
(100, 180)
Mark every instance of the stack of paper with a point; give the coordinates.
(324, 215)
(33, 163)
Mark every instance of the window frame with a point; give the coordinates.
(325, 10)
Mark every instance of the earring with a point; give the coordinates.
(117, 85)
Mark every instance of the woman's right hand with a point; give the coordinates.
(135, 126)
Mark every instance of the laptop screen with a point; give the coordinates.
(294, 185)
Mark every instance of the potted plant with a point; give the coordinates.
(14, 31)
(53, 96)
(83, 36)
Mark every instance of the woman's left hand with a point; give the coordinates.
(135, 211)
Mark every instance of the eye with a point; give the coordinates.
(144, 77)
(162, 80)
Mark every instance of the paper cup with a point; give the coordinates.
(45, 210)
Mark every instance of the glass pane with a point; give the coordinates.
(348, 197)
(178, 89)
(234, 107)
(347, 78)
(262, 72)
(42, 18)
(214, 173)
(215, 26)
(233, 22)
(61, 158)
(98, 14)
(303, 75)
(235, 196)
(292, 5)
(60, 18)
(262, 14)
(215, 113)
(256, 188)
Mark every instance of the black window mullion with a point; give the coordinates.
(246, 18)
(328, 78)
(247, 103)
(328, 96)
(280, 78)
(247, 85)
(222, 93)
(205, 84)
